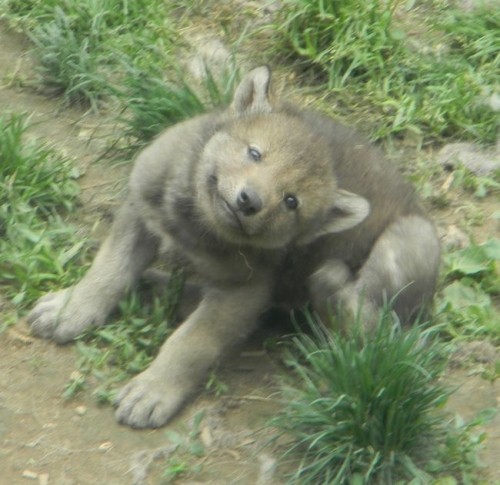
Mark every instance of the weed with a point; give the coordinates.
(471, 280)
(175, 469)
(492, 373)
(152, 103)
(75, 385)
(118, 16)
(456, 456)
(70, 60)
(349, 39)
(24, 9)
(479, 185)
(32, 173)
(365, 58)
(214, 385)
(77, 42)
(187, 444)
(36, 246)
(363, 412)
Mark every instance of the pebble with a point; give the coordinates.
(477, 160)
(81, 410)
(30, 474)
(76, 376)
(105, 447)
(453, 238)
(206, 437)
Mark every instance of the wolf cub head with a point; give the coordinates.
(266, 179)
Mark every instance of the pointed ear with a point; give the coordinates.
(252, 94)
(348, 210)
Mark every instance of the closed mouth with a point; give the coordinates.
(228, 214)
(233, 218)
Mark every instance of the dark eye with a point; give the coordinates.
(291, 201)
(254, 154)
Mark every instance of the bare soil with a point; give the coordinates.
(47, 440)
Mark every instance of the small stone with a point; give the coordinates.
(211, 57)
(472, 157)
(453, 238)
(494, 102)
(105, 447)
(81, 410)
(19, 336)
(31, 475)
(76, 376)
(267, 469)
(206, 437)
(476, 351)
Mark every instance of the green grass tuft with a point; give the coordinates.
(77, 42)
(344, 40)
(363, 413)
(32, 174)
(36, 185)
(70, 58)
(365, 56)
(152, 103)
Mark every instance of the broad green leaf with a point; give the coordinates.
(492, 249)
(461, 295)
(469, 261)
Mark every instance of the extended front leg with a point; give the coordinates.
(223, 318)
(128, 250)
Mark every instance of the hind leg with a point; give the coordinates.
(402, 268)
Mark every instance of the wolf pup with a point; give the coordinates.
(268, 205)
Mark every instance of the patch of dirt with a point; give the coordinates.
(47, 440)
(473, 396)
(78, 442)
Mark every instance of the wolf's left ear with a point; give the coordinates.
(252, 94)
(347, 211)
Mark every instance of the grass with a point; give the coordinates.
(346, 40)
(373, 64)
(368, 410)
(94, 54)
(188, 447)
(151, 103)
(37, 186)
(471, 282)
(77, 42)
(367, 59)
(70, 61)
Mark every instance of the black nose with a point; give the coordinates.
(249, 202)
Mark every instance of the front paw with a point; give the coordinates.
(47, 314)
(62, 317)
(148, 402)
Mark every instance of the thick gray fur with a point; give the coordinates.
(268, 205)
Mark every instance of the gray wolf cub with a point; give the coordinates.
(268, 205)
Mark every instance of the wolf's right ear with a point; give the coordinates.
(252, 94)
